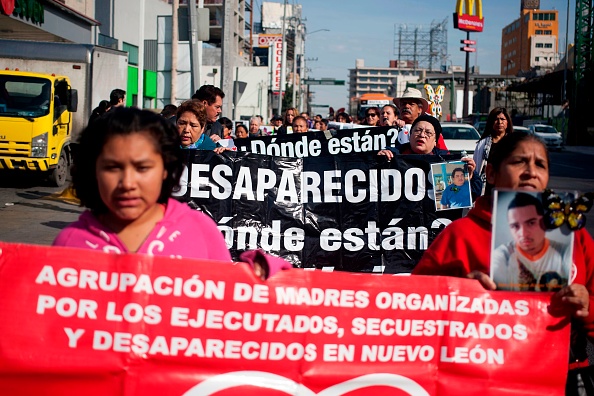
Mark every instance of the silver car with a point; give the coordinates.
(548, 134)
(460, 137)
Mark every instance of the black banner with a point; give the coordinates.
(357, 212)
(316, 144)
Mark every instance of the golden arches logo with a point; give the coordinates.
(470, 6)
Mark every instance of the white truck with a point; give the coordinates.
(47, 93)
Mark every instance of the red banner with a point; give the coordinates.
(84, 322)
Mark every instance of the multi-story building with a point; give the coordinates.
(268, 51)
(118, 25)
(529, 45)
(387, 80)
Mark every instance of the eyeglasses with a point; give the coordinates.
(419, 132)
(371, 115)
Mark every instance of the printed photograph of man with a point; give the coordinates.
(452, 188)
(526, 256)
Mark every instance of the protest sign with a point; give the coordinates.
(315, 144)
(86, 322)
(348, 212)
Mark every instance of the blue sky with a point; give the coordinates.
(365, 29)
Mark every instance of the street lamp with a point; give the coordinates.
(452, 91)
(315, 31)
(303, 70)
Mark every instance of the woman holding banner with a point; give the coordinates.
(424, 135)
(519, 161)
(125, 170)
(191, 121)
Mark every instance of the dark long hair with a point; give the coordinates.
(505, 147)
(491, 121)
(122, 122)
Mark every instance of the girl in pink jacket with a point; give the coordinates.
(124, 171)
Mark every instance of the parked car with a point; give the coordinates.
(480, 126)
(460, 137)
(518, 128)
(548, 134)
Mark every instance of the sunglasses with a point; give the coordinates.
(371, 115)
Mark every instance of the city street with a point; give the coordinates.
(31, 212)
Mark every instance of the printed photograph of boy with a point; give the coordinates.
(452, 187)
(525, 255)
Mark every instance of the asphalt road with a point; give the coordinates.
(31, 212)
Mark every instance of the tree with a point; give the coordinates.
(288, 97)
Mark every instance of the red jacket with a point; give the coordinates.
(465, 246)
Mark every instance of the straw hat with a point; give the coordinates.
(412, 93)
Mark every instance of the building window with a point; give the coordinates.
(132, 51)
(548, 32)
(536, 58)
(539, 32)
(548, 45)
(539, 45)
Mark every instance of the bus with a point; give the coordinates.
(360, 104)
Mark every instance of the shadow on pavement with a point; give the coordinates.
(60, 225)
(33, 194)
(48, 206)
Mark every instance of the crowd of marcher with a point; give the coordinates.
(129, 162)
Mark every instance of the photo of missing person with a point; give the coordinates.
(452, 186)
(525, 255)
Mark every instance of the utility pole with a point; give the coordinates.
(283, 57)
(564, 101)
(194, 81)
(140, 94)
(198, 72)
(466, 78)
(174, 42)
(505, 83)
(228, 55)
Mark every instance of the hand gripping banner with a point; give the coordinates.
(78, 322)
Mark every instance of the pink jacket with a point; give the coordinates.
(182, 232)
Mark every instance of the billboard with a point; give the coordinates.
(469, 15)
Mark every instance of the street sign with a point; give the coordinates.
(317, 105)
(468, 42)
(468, 49)
(323, 81)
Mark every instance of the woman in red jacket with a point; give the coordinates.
(520, 162)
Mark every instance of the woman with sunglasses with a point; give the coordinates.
(372, 116)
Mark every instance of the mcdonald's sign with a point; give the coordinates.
(469, 15)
